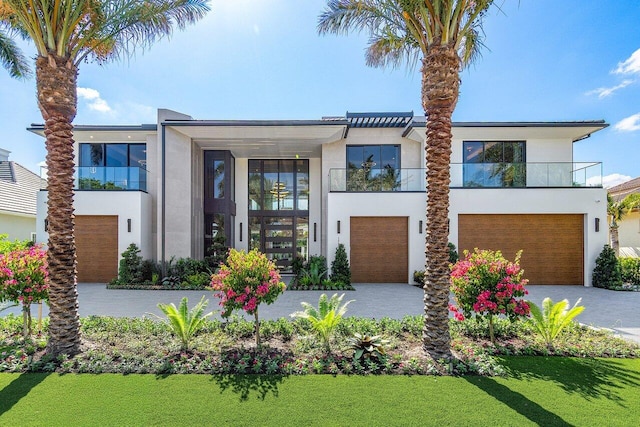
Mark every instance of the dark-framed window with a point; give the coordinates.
(494, 164)
(373, 167)
(279, 209)
(219, 199)
(112, 166)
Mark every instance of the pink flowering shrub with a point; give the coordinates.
(485, 284)
(24, 279)
(244, 282)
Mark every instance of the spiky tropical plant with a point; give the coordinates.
(617, 210)
(184, 323)
(553, 318)
(66, 33)
(445, 35)
(325, 318)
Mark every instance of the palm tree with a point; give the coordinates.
(445, 35)
(617, 210)
(66, 33)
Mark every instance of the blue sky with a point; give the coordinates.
(545, 60)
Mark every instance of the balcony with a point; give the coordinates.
(110, 178)
(471, 175)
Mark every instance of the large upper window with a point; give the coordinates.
(278, 185)
(373, 167)
(494, 164)
(112, 167)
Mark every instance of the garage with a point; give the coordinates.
(379, 249)
(96, 247)
(553, 245)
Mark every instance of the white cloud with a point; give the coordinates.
(94, 101)
(614, 179)
(256, 29)
(630, 66)
(629, 124)
(603, 92)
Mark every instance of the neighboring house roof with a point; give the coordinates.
(621, 191)
(18, 189)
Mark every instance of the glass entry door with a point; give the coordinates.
(280, 238)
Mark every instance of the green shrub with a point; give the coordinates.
(129, 271)
(453, 253)
(7, 246)
(630, 270)
(607, 274)
(340, 270)
(418, 277)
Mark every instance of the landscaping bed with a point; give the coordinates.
(134, 345)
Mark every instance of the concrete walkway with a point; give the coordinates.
(619, 311)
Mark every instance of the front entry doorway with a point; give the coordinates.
(279, 209)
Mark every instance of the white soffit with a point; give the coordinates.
(556, 131)
(265, 141)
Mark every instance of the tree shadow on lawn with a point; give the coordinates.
(245, 384)
(590, 378)
(516, 401)
(19, 388)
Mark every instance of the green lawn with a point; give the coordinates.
(537, 391)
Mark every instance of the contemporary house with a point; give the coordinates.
(301, 187)
(19, 188)
(629, 227)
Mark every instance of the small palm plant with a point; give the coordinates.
(553, 318)
(325, 318)
(185, 323)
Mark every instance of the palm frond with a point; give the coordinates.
(12, 58)
(401, 30)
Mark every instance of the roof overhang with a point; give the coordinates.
(575, 131)
(105, 133)
(262, 138)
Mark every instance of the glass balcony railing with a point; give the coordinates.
(110, 178)
(471, 175)
(376, 180)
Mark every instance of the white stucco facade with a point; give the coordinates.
(126, 205)
(168, 216)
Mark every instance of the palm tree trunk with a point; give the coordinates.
(440, 87)
(56, 80)
(615, 239)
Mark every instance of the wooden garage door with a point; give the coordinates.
(379, 249)
(552, 244)
(96, 248)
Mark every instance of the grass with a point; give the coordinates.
(537, 391)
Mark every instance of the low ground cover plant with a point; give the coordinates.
(145, 345)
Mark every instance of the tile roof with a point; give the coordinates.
(18, 188)
(622, 190)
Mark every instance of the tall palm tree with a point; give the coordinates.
(617, 210)
(66, 33)
(445, 36)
